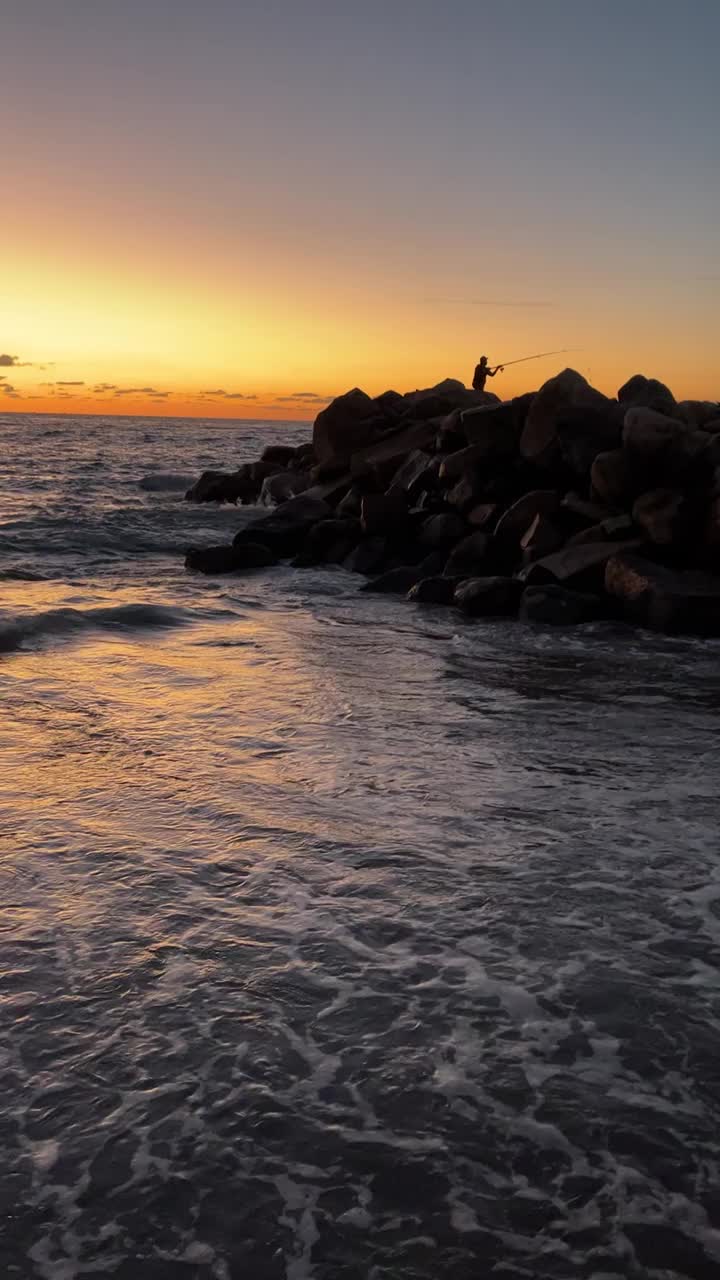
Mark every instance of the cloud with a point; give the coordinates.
(228, 395)
(7, 389)
(304, 397)
(62, 384)
(140, 391)
(12, 362)
(104, 386)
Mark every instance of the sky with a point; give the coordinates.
(241, 208)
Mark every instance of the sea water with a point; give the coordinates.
(340, 938)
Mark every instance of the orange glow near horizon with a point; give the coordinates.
(166, 232)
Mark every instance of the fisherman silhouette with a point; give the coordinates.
(482, 372)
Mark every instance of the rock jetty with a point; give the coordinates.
(561, 506)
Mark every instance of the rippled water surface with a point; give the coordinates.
(340, 939)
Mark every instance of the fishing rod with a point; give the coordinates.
(540, 356)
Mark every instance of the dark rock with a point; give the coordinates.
(229, 559)
(345, 426)
(450, 436)
(583, 511)
(331, 491)
(614, 529)
(383, 513)
(612, 478)
(280, 454)
(540, 442)
(646, 393)
(697, 414)
(350, 504)
(711, 531)
(587, 431)
(303, 457)
(435, 590)
(662, 514)
(442, 530)
(559, 607)
(455, 465)
(390, 403)
(658, 445)
(488, 597)
(483, 515)
(394, 581)
(414, 474)
(571, 563)
(518, 518)
(385, 456)
(434, 402)
(329, 542)
(286, 527)
(664, 599)
(223, 486)
(369, 556)
(283, 486)
(467, 557)
(540, 539)
(493, 430)
(465, 493)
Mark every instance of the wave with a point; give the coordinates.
(165, 481)
(18, 574)
(17, 630)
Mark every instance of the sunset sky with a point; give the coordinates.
(242, 207)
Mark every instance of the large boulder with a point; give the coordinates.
(540, 539)
(557, 607)
(664, 599)
(455, 465)
(384, 513)
(662, 514)
(646, 393)
(442, 530)
(540, 442)
(226, 559)
(586, 431)
(347, 424)
(414, 474)
(394, 581)
(579, 564)
(329, 542)
(434, 590)
(224, 486)
(494, 597)
(493, 430)
(517, 519)
(385, 456)
(280, 455)
(468, 556)
(612, 529)
(659, 446)
(369, 556)
(442, 399)
(283, 486)
(612, 479)
(285, 529)
(483, 515)
(697, 413)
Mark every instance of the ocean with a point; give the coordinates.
(341, 939)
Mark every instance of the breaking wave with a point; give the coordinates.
(18, 630)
